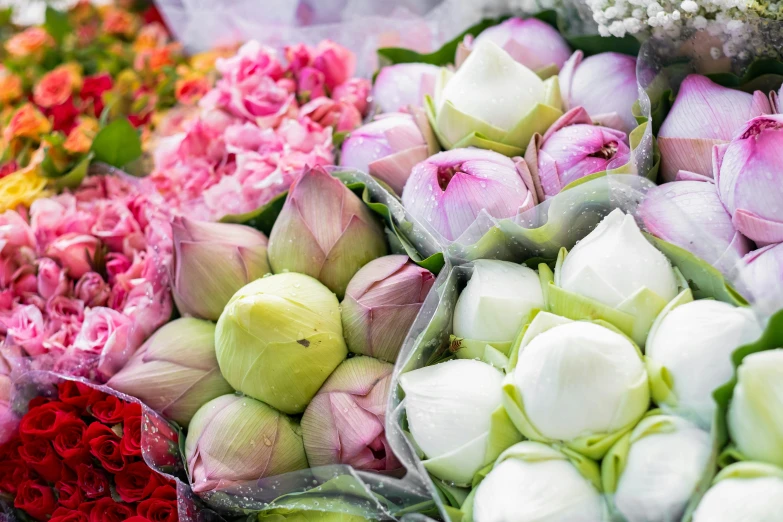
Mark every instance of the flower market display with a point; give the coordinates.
(531, 275)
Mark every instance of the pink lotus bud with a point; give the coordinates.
(356, 91)
(573, 148)
(762, 271)
(92, 290)
(531, 42)
(605, 85)
(324, 231)
(704, 114)
(211, 262)
(176, 371)
(14, 232)
(748, 174)
(690, 215)
(450, 189)
(51, 279)
(233, 440)
(387, 148)
(335, 61)
(344, 423)
(399, 86)
(75, 252)
(380, 304)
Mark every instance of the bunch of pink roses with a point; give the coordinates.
(258, 127)
(84, 278)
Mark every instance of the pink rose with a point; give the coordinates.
(114, 224)
(304, 135)
(51, 279)
(254, 165)
(355, 91)
(75, 252)
(252, 59)
(15, 232)
(335, 61)
(299, 56)
(250, 137)
(262, 101)
(149, 308)
(92, 289)
(105, 333)
(64, 310)
(341, 116)
(24, 281)
(60, 338)
(52, 217)
(116, 264)
(201, 142)
(6, 302)
(26, 329)
(312, 84)
(7, 418)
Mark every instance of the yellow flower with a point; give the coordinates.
(21, 188)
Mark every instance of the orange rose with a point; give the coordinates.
(10, 86)
(27, 122)
(80, 138)
(56, 86)
(157, 58)
(190, 89)
(151, 36)
(27, 42)
(119, 22)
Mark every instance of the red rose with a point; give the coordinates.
(166, 492)
(41, 458)
(93, 89)
(158, 510)
(69, 495)
(109, 410)
(68, 515)
(10, 450)
(75, 393)
(131, 431)
(69, 443)
(106, 510)
(64, 116)
(12, 473)
(37, 500)
(136, 482)
(92, 482)
(105, 446)
(44, 421)
(37, 401)
(137, 518)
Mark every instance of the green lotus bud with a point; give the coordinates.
(324, 231)
(279, 338)
(233, 439)
(175, 372)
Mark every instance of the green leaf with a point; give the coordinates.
(56, 24)
(117, 144)
(762, 74)
(76, 175)
(263, 218)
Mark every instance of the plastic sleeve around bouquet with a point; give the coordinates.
(160, 441)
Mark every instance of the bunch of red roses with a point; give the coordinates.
(78, 458)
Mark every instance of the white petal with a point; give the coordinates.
(742, 500)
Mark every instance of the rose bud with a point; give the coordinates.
(531, 42)
(387, 148)
(689, 214)
(703, 115)
(176, 371)
(492, 102)
(742, 492)
(756, 410)
(654, 470)
(689, 354)
(573, 148)
(590, 418)
(761, 271)
(398, 87)
(380, 304)
(279, 339)
(344, 423)
(235, 439)
(92, 289)
(559, 487)
(75, 252)
(451, 189)
(747, 172)
(455, 416)
(605, 85)
(211, 262)
(324, 231)
(51, 279)
(493, 306)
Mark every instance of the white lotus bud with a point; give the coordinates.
(690, 348)
(532, 482)
(452, 407)
(756, 410)
(743, 492)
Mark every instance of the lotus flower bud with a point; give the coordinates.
(492, 102)
(605, 85)
(756, 410)
(211, 262)
(654, 470)
(690, 215)
(451, 189)
(761, 272)
(743, 492)
(175, 372)
(324, 231)
(234, 439)
(380, 304)
(496, 302)
(387, 148)
(597, 406)
(531, 42)
(689, 351)
(747, 172)
(573, 148)
(455, 416)
(400, 86)
(703, 115)
(279, 338)
(557, 488)
(344, 423)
